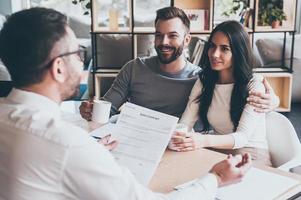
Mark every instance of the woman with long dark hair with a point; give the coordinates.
(219, 98)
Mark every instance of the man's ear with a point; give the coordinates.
(58, 70)
(187, 39)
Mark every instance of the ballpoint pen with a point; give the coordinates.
(98, 138)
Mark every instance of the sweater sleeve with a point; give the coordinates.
(249, 119)
(191, 113)
(119, 91)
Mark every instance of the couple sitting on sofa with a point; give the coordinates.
(219, 96)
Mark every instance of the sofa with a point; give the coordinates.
(268, 51)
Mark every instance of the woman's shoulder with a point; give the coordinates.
(197, 88)
(198, 83)
(256, 82)
(257, 78)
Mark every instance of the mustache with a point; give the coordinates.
(160, 47)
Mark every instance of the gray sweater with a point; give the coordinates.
(142, 82)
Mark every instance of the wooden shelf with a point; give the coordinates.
(107, 71)
(289, 8)
(103, 82)
(139, 38)
(282, 85)
(194, 7)
(144, 30)
(108, 30)
(269, 29)
(112, 15)
(269, 69)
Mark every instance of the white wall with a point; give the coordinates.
(5, 7)
(10, 6)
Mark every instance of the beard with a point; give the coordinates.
(176, 53)
(71, 88)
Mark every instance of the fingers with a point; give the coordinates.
(232, 169)
(178, 134)
(267, 86)
(112, 145)
(106, 142)
(254, 95)
(85, 110)
(235, 160)
(260, 110)
(246, 163)
(92, 99)
(260, 105)
(180, 140)
(184, 144)
(188, 149)
(246, 158)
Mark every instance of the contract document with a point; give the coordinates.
(143, 136)
(257, 184)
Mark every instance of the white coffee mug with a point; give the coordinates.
(101, 111)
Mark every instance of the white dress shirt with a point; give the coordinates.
(43, 157)
(251, 130)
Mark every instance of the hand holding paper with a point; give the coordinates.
(110, 145)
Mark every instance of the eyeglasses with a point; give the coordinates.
(81, 53)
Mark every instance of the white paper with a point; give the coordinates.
(143, 135)
(103, 130)
(257, 184)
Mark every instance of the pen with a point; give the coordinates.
(98, 138)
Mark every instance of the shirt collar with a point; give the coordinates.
(34, 100)
(177, 74)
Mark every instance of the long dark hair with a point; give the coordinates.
(242, 60)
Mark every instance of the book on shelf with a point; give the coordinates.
(245, 16)
(197, 52)
(199, 19)
(206, 19)
(196, 17)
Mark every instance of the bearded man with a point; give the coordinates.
(164, 82)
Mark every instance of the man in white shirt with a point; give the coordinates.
(43, 157)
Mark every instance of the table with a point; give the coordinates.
(176, 168)
(179, 167)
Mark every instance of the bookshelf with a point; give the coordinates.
(123, 30)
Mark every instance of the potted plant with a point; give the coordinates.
(272, 16)
(86, 5)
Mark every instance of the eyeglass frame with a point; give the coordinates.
(80, 50)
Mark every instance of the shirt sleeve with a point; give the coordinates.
(119, 91)
(90, 172)
(191, 113)
(249, 119)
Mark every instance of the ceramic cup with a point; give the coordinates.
(101, 111)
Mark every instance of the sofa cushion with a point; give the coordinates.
(270, 50)
(113, 51)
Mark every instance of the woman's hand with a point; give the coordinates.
(181, 141)
(264, 102)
